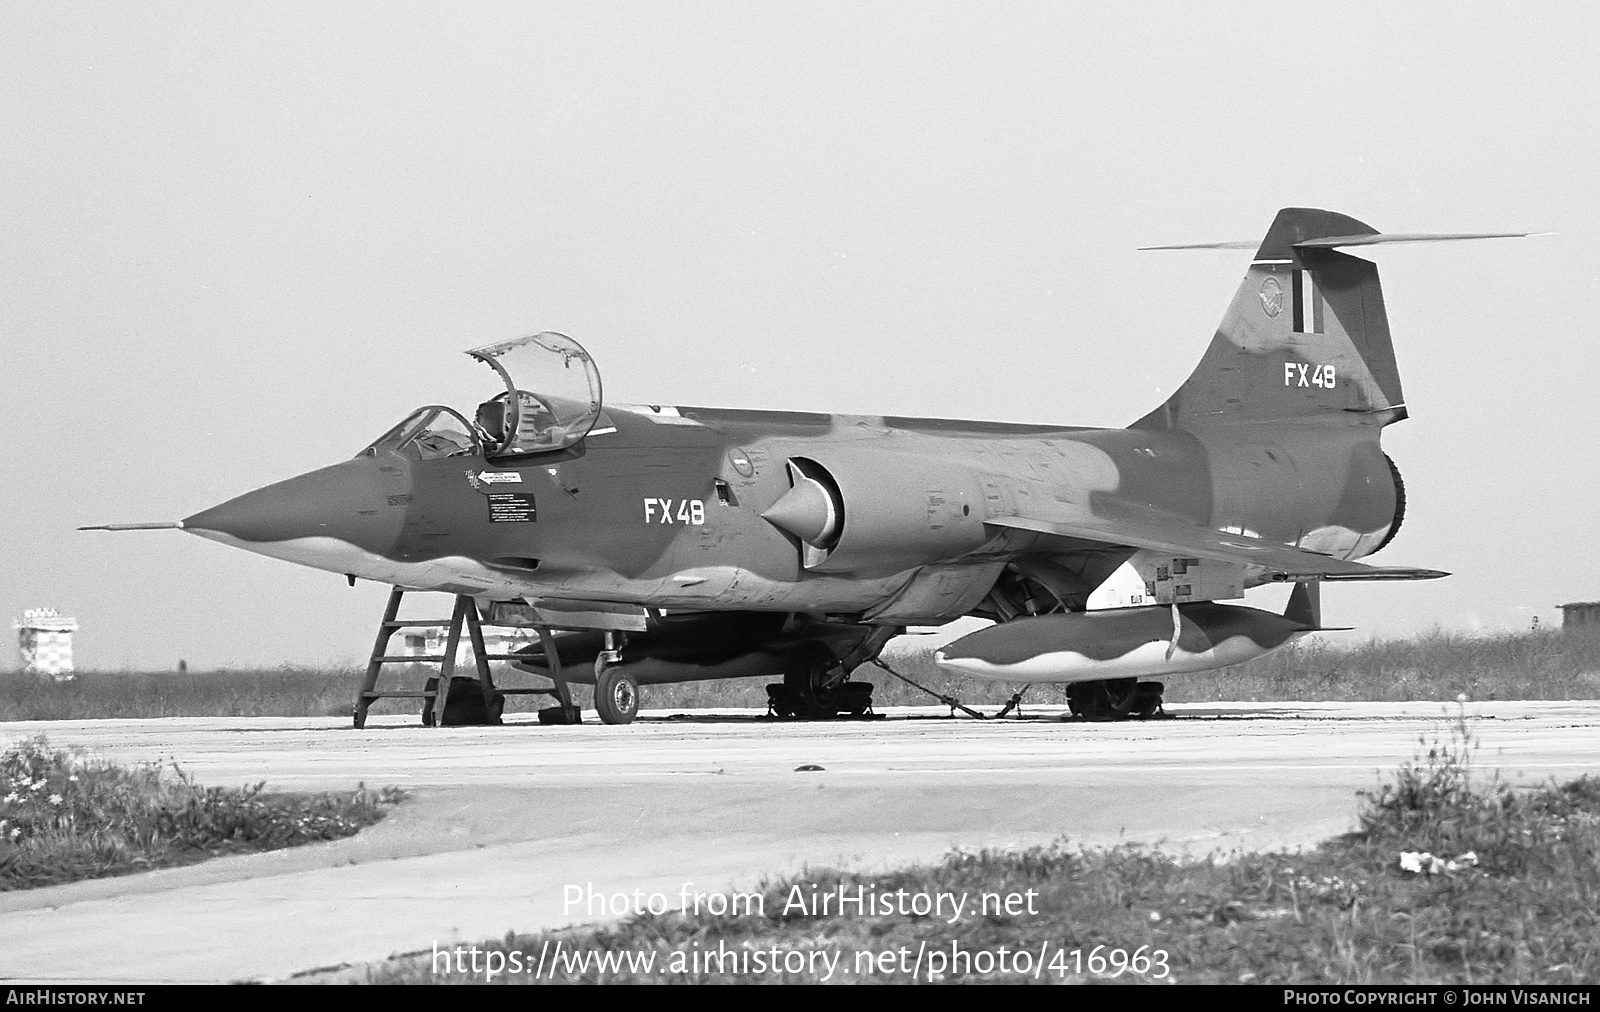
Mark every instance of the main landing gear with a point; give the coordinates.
(816, 686)
(1114, 699)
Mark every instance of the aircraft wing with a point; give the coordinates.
(1282, 562)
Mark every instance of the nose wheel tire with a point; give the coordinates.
(616, 696)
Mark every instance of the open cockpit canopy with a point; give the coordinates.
(551, 400)
(552, 396)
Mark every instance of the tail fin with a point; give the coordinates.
(1305, 604)
(1305, 337)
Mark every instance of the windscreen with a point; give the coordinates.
(429, 432)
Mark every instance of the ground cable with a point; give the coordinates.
(950, 701)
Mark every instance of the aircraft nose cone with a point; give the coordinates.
(347, 502)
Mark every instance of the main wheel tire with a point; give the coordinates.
(616, 696)
(1148, 702)
(1112, 699)
(1119, 695)
(810, 676)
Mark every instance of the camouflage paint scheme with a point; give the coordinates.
(1120, 643)
(1266, 465)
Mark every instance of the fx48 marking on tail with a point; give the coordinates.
(1301, 374)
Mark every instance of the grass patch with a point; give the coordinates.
(270, 692)
(1547, 664)
(65, 816)
(1347, 912)
(1436, 666)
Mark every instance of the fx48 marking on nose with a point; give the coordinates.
(1303, 374)
(661, 511)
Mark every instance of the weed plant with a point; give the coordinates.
(1528, 910)
(65, 816)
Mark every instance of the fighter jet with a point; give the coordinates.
(651, 544)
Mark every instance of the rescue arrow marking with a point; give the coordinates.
(500, 477)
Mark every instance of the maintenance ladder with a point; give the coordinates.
(465, 613)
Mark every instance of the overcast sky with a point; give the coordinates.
(237, 241)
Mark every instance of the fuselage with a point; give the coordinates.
(664, 507)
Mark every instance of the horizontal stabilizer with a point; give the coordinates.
(1368, 239)
(1233, 244)
(1375, 238)
(1282, 563)
(158, 525)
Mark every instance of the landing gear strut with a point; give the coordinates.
(1114, 699)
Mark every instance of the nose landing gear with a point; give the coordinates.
(616, 696)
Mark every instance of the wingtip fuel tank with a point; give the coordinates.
(1120, 643)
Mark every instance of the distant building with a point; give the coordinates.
(44, 637)
(1581, 615)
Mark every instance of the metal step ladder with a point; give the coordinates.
(465, 614)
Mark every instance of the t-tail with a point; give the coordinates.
(1306, 337)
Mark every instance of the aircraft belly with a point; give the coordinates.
(654, 671)
(938, 594)
(731, 589)
(456, 574)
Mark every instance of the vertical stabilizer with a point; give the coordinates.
(1305, 604)
(1306, 336)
